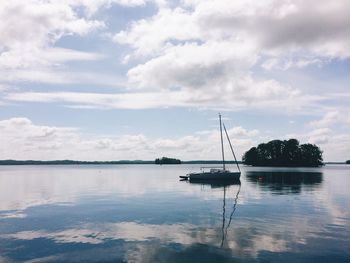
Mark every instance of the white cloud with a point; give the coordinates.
(287, 63)
(23, 128)
(58, 76)
(28, 30)
(3, 87)
(155, 34)
(208, 50)
(191, 53)
(271, 91)
(334, 144)
(331, 118)
(194, 66)
(187, 142)
(21, 139)
(283, 26)
(211, 74)
(199, 53)
(274, 26)
(336, 147)
(240, 131)
(27, 41)
(92, 6)
(99, 100)
(319, 136)
(42, 57)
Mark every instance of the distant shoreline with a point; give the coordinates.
(121, 162)
(72, 162)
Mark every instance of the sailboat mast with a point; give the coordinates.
(228, 138)
(222, 145)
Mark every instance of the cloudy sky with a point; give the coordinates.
(140, 79)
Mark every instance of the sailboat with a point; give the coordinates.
(217, 173)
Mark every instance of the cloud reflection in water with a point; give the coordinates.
(143, 214)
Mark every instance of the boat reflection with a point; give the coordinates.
(225, 185)
(285, 182)
(216, 183)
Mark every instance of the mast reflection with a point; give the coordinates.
(225, 184)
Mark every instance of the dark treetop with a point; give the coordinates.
(284, 153)
(166, 160)
(348, 162)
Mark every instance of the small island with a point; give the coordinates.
(347, 162)
(288, 153)
(166, 160)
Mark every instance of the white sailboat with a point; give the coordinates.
(217, 173)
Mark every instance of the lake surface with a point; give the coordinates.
(143, 213)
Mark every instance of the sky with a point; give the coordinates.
(142, 79)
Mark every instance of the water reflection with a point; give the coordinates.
(216, 183)
(224, 184)
(144, 214)
(285, 182)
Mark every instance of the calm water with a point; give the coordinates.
(143, 213)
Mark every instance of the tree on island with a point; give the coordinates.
(347, 162)
(166, 160)
(284, 153)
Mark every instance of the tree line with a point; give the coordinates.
(70, 162)
(284, 153)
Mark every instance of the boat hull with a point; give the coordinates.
(214, 176)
